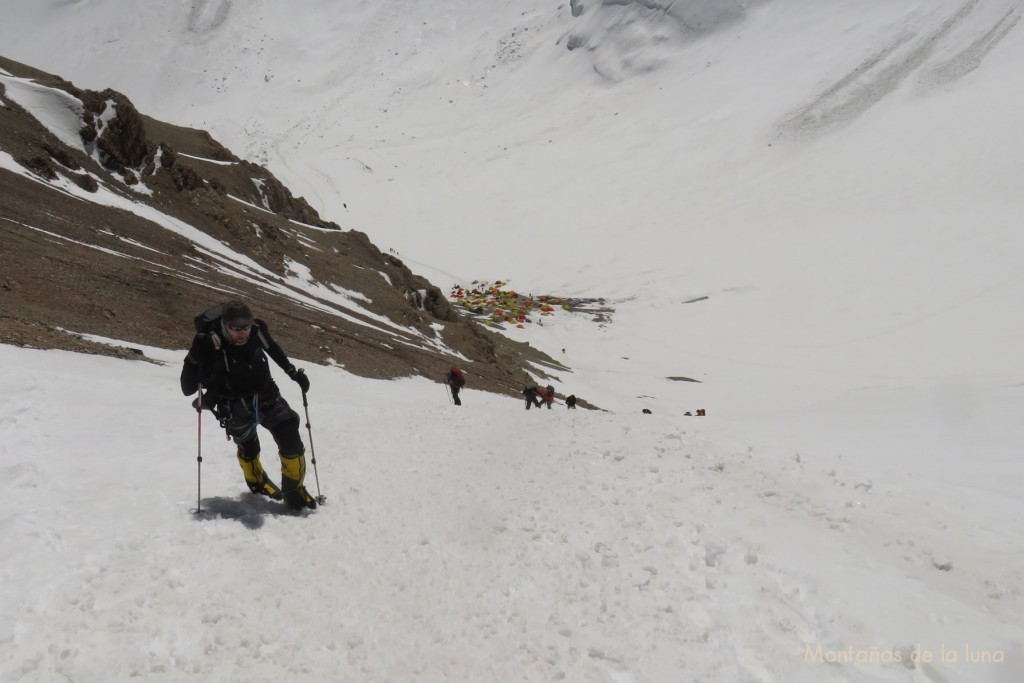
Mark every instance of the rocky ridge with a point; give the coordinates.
(132, 233)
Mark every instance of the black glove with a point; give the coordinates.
(209, 402)
(300, 378)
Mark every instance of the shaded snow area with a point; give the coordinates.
(60, 112)
(491, 544)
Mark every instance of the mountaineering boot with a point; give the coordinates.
(293, 472)
(257, 479)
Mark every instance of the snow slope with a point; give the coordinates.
(839, 180)
(490, 543)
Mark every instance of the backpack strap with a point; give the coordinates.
(263, 339)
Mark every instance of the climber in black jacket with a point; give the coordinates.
(228, 359)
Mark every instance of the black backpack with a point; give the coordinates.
(209, 320)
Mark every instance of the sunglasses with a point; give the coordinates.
(240, 328)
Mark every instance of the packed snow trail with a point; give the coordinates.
(479, 543)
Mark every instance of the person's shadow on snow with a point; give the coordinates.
(250, 509)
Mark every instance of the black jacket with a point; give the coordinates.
(229, 370)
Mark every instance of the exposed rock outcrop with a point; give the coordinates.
(330, 296)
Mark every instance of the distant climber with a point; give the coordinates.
(532, 399)
(570, 402)
(547, 395)
(456, 380)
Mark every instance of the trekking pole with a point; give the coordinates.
(312, 452)
(448, 392)
(199, 450)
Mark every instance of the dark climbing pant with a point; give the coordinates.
(272, 412)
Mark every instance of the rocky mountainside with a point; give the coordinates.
(117, 225)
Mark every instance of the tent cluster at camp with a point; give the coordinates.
(499, 306)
